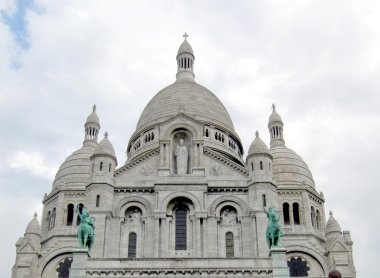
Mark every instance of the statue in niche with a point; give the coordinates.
(181, 155)
(133, 216)
(229, 217)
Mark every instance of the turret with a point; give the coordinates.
(103, 161)
(185, 61)
(92, 127)
(27, 250)
(276, 126)
(259, 161)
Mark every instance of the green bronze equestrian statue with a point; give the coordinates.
(274, 231)
(86, 228)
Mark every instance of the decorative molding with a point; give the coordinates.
(167, 272)
(143, 157)
(214, 155)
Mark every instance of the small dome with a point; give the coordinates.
(289, 168)
(93, 117)
(332, 226)
(104, 147)
(33, 226)
(258, 146)
(185, 47)
(76, 168)
(274, 117)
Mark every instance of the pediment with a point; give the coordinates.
(339, 246)
(222, 164)
(27, 248)
(146, 160)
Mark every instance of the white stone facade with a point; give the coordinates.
(206, 220)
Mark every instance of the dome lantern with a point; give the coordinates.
(185, 60)
(92, 127)
(276, 126)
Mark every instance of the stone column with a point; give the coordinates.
(79, 264)
(198, 236)
(279, 264)
(164, 237)
(247, 238)
(212, 248)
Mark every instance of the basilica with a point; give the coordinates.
(187, 202)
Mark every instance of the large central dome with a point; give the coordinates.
(188, 97)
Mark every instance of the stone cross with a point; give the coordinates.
(185, 35)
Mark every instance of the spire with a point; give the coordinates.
(185, 60)
(91, 127)
(276, 126)
(257, 133)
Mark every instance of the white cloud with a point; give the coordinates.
(32, 162)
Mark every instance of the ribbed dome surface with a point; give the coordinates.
(93, 118)
(258, 147)
(185, 47)
(104, 148)
(33, 227)
(188, 97)
(274, 117)
(76, 168)
(333, 226)
(289, 168)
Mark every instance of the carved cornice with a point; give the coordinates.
(137, 161)
(316, 199)
(228, 189)
(129, 190)
(166, 272)
(214, 155)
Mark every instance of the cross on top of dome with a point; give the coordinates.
(185, 35)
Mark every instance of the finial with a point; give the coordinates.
(106, 134)
(185, 35)
(331, 213)
(274, 107)
(35, 215)
(257, 133)
(94, 108)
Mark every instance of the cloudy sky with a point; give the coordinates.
(319, 61)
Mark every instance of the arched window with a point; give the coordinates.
(80, 209)
(52, 219)
(252, 166)
(101, 166)
(312, 216)
(132, 242)
(264, 200)
(70, 214)
(261, 165)
(97, 200)
(181, 229)
(296, 213)
(48, 217)
(229, 245)
(317, 218)
(109, 167)
(285, 210)
(92, 167)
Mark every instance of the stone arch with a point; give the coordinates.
(51, 256)
(127, 202)
(240, 206)
(309, 252)
(190, 196)
(193, 131)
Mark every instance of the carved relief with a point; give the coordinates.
(133, 216)
(229, 216)
(146, 170)
(216, 170)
